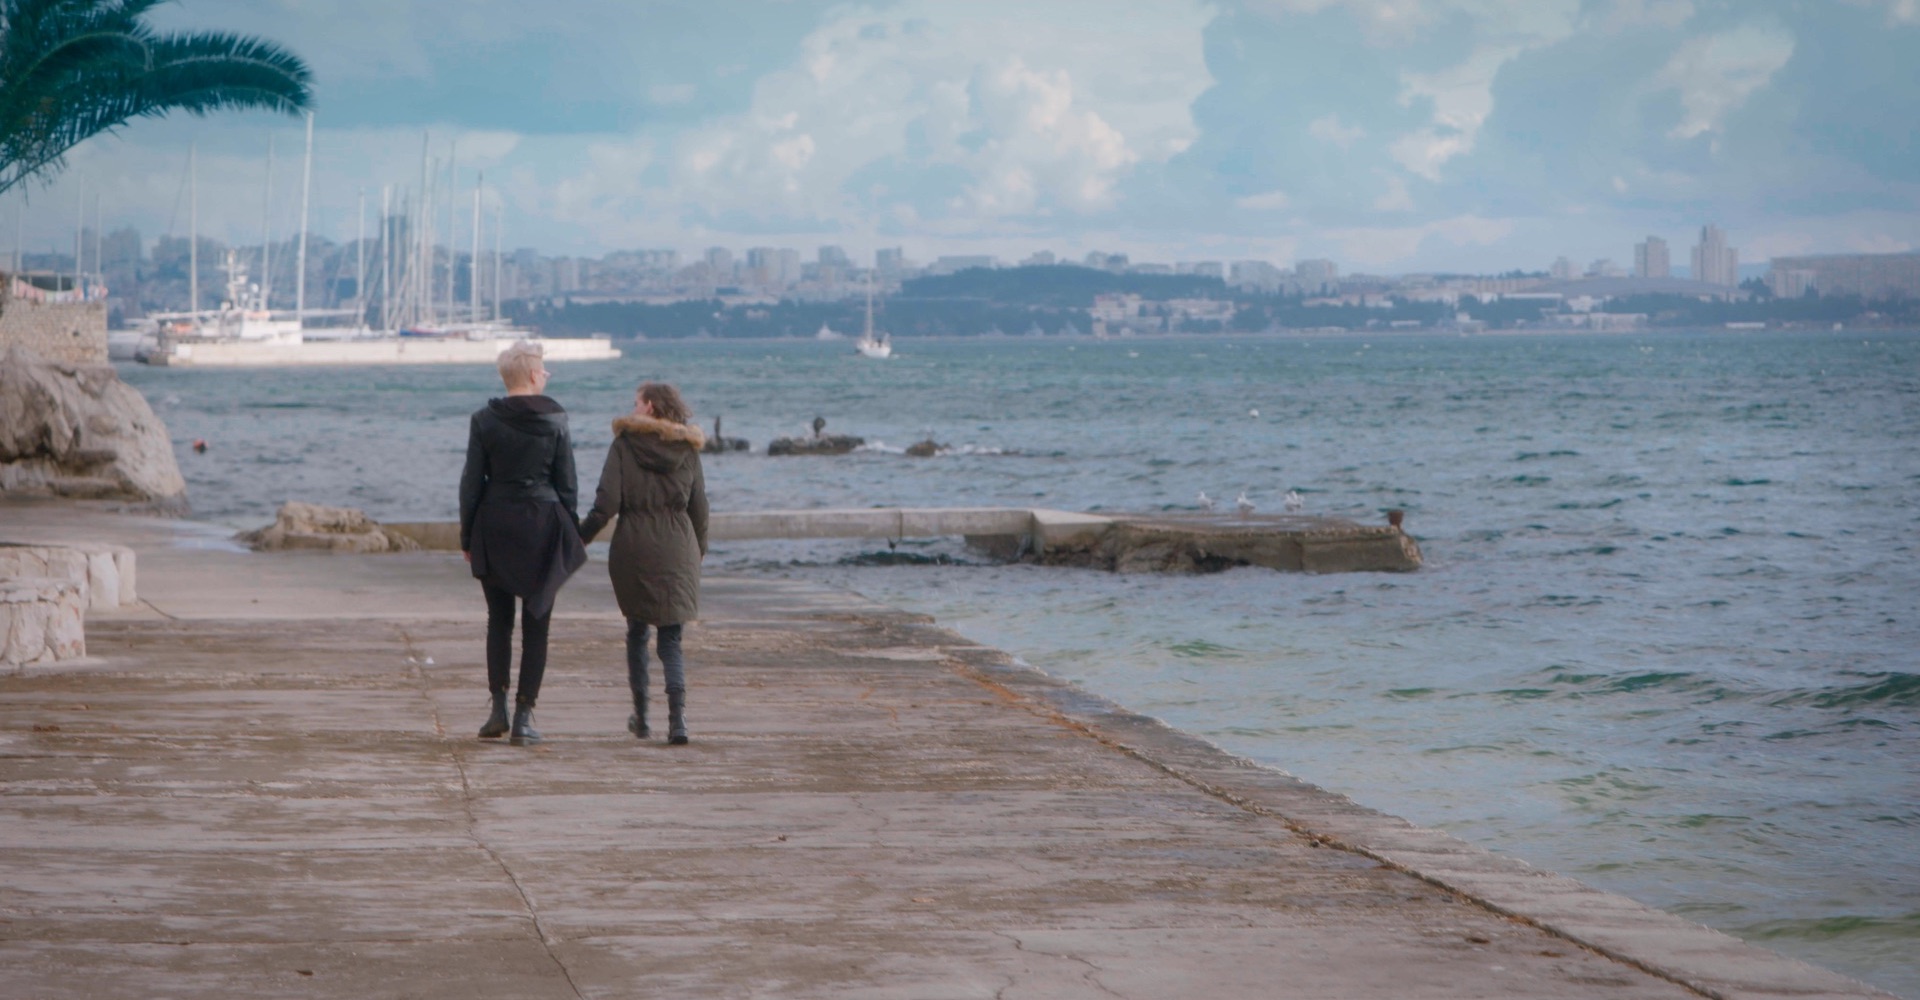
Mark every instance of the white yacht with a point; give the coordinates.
(873, 344)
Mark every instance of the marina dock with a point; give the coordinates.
(264, 782)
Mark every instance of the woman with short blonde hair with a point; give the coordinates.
(518, 527)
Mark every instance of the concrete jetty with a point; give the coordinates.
(1120, 542)
(264, 782)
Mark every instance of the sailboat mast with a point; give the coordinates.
(452, 218)
(79, 230)
(498, 215)
(300, 267)
(386, 256)
(473, 258)
(266, 240)
(99, 259)
(193, 229)
(360, 265)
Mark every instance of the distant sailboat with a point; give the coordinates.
(872, 344)
(829, 333)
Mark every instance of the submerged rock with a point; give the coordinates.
(925, 449)
(332, 529)
(72, 430)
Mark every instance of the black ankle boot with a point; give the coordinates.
(677, 718)
(496, 724)
(637, 722)
(523, 731)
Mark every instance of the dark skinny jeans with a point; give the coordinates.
(671, 662)
(533, 645)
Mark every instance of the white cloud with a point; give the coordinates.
(1384, 246)
(1715, 74)
(1271, 201)
(1396, 198)
(1329, 129)
(671, 93)
(1619, 15)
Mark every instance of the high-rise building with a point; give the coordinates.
(890, 260)
(831, 256)
(1317, 275)
(1714, 262)
(1562, 269)
(1650, 259)
(720, 264)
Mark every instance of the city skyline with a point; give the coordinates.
(1391, 136)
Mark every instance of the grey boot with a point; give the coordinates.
(523, 731)
(496, 724)
(677, 718)
(637, 722)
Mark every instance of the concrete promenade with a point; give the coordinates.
(264, 783)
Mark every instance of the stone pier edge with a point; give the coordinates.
(1709, 962)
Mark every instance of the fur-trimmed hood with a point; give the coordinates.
(635, 425)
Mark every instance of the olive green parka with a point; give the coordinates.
(653, 482)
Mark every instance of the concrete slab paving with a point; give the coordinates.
(265, 782)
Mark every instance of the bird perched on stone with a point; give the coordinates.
(1244, 505)
(1295, 502)
(819, 424)
(1205, 501)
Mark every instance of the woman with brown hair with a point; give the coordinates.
(654, 483)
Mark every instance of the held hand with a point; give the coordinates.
(467, 554)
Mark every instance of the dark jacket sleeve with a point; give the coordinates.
(697, 504)
(606, 499)
(566, 481)
(473, 482)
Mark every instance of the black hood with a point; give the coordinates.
(530, 414)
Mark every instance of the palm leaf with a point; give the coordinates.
(73, 69)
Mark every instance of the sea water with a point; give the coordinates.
(1664, 641)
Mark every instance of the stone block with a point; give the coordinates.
(41, 620)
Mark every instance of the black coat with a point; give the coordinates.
(518, 496)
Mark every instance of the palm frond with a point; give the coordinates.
(72, 69)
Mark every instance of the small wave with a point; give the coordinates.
(1746, 482)
(880, 448)
(1906, 927)
(900, 559)
(1201, 648)
(1530, 480)
(1901, 690)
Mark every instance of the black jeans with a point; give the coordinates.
(533, 645)
(671, 662)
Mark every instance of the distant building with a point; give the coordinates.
(1792, 283)
(1714, 262)
(890, 261)
(1202, 268)
(1041, 258)
(1650, 259)
(720, 265)
(1107, 261)
(1562, 269)
(1317, 276)
(962, 262)
(1604, 268)
(831, 256)
(1868, 275)
(1257, 275)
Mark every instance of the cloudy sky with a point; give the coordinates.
(1390, 135)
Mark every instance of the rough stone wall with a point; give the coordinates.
(72, 333)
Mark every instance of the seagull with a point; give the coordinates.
(1295, 502)
(1253, 413)
(1205, 501)
(1245, 505)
